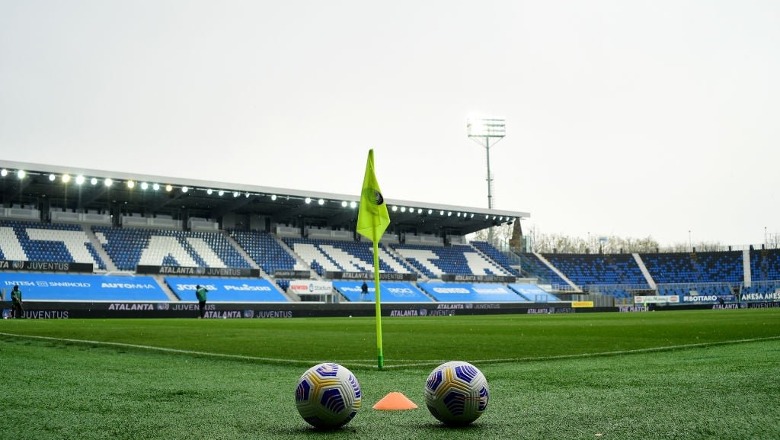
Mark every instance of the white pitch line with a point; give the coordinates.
(398, 363)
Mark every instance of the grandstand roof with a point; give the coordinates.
(43, 187)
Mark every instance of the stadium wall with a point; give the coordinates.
(69, 310)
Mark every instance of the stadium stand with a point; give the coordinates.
(536, 268)
(589, 269)
(344, 256)
(30, 241)
(765, 264)
(496, 255)
(709, 275)
(263, 248)
(131, 247)
(696, 267)
(608, 274)
(434, 261)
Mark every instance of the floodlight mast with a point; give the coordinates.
(482, 131)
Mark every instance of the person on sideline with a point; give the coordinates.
(201, 293)
(16, 298)
(364, 291)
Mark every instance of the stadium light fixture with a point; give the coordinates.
(93, 181)
(66, 178)
(108, 182)
(441, 212)
(273, 197)
(3, 172)
(221, 193)
(21, 173)
(156, 186)
(353, 204)
(144, 186)
(80, 179)
(320, 202)
(236, 194)
(184, 189)
(430, 211)
(307, 200)
(344, 204)
(403, 209)
(209, 191)
(394, 208)
(483, 131)
(168, 188)
(52, 177)
(130, 184)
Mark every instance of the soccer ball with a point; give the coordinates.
(328, 395)
(456, 393)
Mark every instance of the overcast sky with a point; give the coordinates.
(629, 118)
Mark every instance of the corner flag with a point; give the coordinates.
(372, 217)
(371, 223)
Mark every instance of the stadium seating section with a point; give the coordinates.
(131, 247)
(28, 241)
(589, 269)
(434, 261)
(494, 254)
(765, 264)
(698, 267)
(712, 274)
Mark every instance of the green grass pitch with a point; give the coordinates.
(664, 375)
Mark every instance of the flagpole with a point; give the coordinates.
(378, 305)
(372, 221)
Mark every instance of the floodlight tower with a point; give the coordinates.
(482, 131)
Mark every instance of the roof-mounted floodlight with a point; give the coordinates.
(80, 180)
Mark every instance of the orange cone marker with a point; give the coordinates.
(395, 401)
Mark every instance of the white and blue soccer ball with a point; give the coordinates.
(456, 393)
(328, 396)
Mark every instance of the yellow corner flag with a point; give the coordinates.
(372, 216)
(371, 223)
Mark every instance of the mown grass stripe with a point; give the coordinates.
(395, 364)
